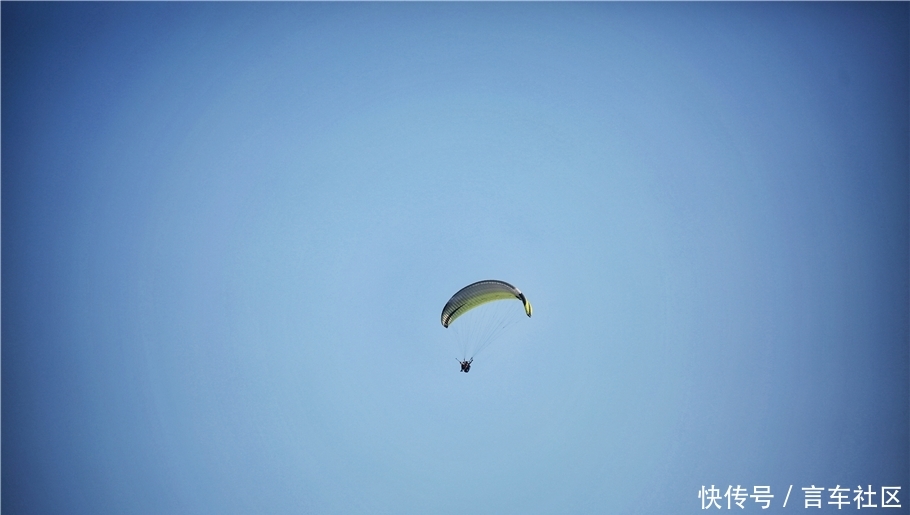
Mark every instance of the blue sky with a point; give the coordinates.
(228, 231)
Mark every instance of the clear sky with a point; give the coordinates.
(228, 231)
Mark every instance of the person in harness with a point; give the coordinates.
(466, 365)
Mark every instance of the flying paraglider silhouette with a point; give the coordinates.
(485, 315)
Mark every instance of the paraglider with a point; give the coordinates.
(487, 312)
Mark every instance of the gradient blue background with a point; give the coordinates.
(228, 231)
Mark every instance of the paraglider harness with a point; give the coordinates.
(466, 365)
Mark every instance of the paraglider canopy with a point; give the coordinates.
(480, 293)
